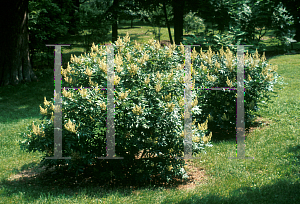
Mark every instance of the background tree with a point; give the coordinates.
(15, 66)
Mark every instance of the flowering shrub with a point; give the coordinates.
(149, 113)
(220, 70)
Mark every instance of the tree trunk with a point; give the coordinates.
(178, 6)
(115, 22)
(74, 18)
(15, 64)
(167, 22)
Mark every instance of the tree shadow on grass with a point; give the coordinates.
(219, 134)
(283, 191)
(33, 178)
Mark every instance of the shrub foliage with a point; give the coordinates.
(149, 113)
(149, 108)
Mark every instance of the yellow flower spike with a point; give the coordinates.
(224, 117)
(118, 59)
(182, 134)
(203, 126)
(158, 75)
(128, 56)
(52, 107)
(256, 55)
(35, 129)
(195, 102)
(103, 106)
(194, 122)
(119, 41)
(119, 69)
(72, 58)
(168, 97)
(64, 92)
(46, 103)
(206, 139)
(103, 66)
(210, 118)
(147, 80)
(52, 117)
(263, 58)
(137, 45)
(82, 92)
(194, 54)
(249, 78)
(157, 45)
(274, 68)
(68, 68)
(182, 48)
(158, 87)
(217, 64)
(151, 42)
(137, 110)
(126, 38)
(173, 46)
(133, 69)
(70, 126)
(43, 111)
(88, 72)
(170, 107)
(269, 77)
(228, 82)
(117, 80)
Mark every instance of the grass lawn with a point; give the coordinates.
(273, 176)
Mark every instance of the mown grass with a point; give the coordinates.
(271, 177)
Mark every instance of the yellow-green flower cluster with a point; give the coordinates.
(103, 106)
(137, 110)
(157, 45)
(103, 65)
(75, 59)
(211, 78)
(210, 118)
(67, 94)
(224, 117)
(147, 80)
(43, 111)
(194, 54)
(158, 75)
(182, 49)
(137, 46)
(88, 72)
(118, 59)
(151, 42)
(144, 58)
(133, 69)
(83, 92)
(127, 38)
(128, 56)
(170, 107)
(167, 98)
(92, 83)
(37, 131)
(206, 139)
(115, 79)
(203, 126)
(229, 83)
(122, 96)
(210, 53)
(158, 87)
(229, 56)
(71, 126)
